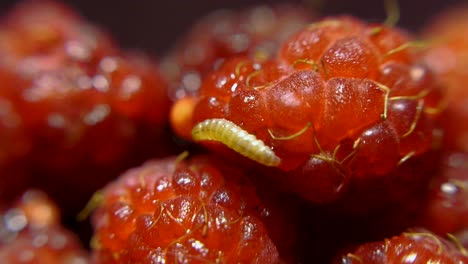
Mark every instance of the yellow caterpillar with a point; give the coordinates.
(235, 138)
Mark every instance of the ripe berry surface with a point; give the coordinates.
(75, 109)
(412, 247)
(179, 211)
(447, 56)
(31, 233)
(342, 98)
(446, 210)
(256, 32)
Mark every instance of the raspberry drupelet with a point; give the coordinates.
(31, 233)
(75, 109)
(181, 211)
(417, 246)
(343, 99)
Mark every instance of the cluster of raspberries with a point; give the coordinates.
(266, 135)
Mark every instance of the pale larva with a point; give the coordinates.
(235, 138)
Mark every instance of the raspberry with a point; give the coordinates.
(77, 109)
(447, 57)
(255, 31)
(412, 247)
(342, 101)
(49, 246)
(31, 233)
(39, 30)
(447, 208)
(181, 211)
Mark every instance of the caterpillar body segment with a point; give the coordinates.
(235, 138)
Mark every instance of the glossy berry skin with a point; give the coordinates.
(446, 210)
(76, 110)
(31, 233)
(45, 28)
(181, 211)
(343, 99)
(413, 247)
(255, 32)
(447, 56)
(57, 246)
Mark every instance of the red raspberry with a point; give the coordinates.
(31, 233)
(256, 31)
(39, 30)
(75, 111)
(343, 98)
(447, 56)
(371, 210)
(181, 211)
(48, 246)
(413, 247)
(398, 199)
(447, 207)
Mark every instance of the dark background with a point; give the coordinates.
(154, 25)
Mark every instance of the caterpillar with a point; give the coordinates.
(235, 138)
